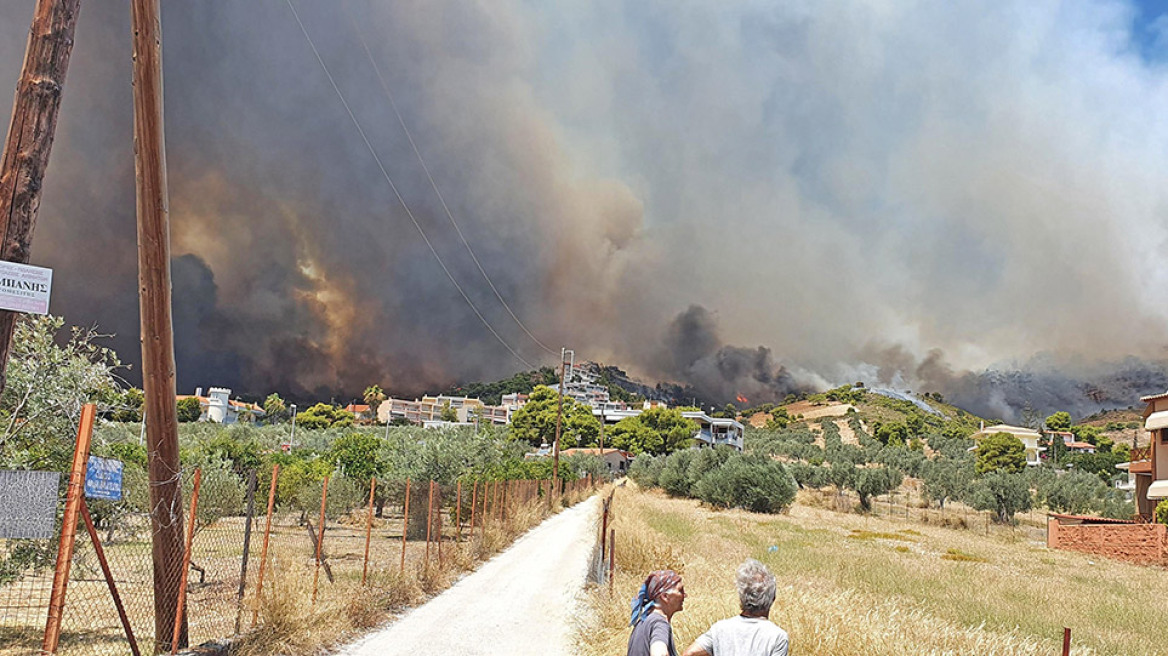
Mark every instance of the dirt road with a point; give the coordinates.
(520, 602)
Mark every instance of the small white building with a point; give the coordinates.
(218, 407)
(616, 460)
(1028, 437)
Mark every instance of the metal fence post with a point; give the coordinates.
(264, 552)
(458, 513)
(368, 530)
(186, 566)
(73, 499)
(109, 577)
(1066, 641)
(251, 488)
(319, 538)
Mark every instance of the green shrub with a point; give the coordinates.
(1003, 493)
(344, 495)
(1001, 452)
(874, 481)
(646, 469)
(703, 463)
(751, 481)
(674, 478)
(1075, 492)
(221, 493)
(188, 409)
(1162, 512)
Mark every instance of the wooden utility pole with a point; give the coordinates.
(30, 138)
(157, 330)
(559, 421)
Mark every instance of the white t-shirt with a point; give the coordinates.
(744, 636)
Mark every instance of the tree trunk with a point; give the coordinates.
(30, 138)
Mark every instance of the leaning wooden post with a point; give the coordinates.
(30, 138)
(73, 501)
(429, 522)
(109, 577)
(368, 530)
(186, 565)
(320, 538)
(405, 526)
(255, 612)
(458, 513)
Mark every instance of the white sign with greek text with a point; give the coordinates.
(25, 288)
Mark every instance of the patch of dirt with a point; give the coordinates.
(812, 411)
(847, 435)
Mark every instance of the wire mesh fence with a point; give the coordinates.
(385, 536)
(910, 506)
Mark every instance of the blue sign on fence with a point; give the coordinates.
(103, 479)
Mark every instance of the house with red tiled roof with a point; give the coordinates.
(1069, 441)
(361, 412)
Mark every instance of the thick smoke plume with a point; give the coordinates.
(982, 180)
(693, 351)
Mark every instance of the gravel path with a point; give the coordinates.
(520, 602)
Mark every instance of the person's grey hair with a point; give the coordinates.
(756, 587)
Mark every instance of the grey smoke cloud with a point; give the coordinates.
(822, 176)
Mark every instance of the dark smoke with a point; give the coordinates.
(981, 179)
(1043, 384)
(693, 351)
(295, 269)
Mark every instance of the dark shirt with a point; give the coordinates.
(654, 628)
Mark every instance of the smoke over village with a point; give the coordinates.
(747, 201)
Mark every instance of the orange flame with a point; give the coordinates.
(742, 399)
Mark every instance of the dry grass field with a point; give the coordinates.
(853, 584)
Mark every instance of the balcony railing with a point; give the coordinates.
(1141, 453)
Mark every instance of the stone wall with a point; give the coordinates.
(1143, 544)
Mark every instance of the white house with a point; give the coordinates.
(616, 460)
(218, 407)
(716, 431)
(1028, 437)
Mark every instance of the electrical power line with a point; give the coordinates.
(433, 185)
(396, 193)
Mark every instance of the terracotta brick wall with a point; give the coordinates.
(1143, 544)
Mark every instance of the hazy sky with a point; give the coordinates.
(851, 185)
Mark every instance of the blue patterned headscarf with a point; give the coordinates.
(655, 585)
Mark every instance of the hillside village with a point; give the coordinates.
(1114, 448)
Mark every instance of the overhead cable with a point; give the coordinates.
(397, 194)
(433, 185)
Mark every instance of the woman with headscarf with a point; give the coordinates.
(662, 595)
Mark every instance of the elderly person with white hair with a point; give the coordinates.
(750, 633)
